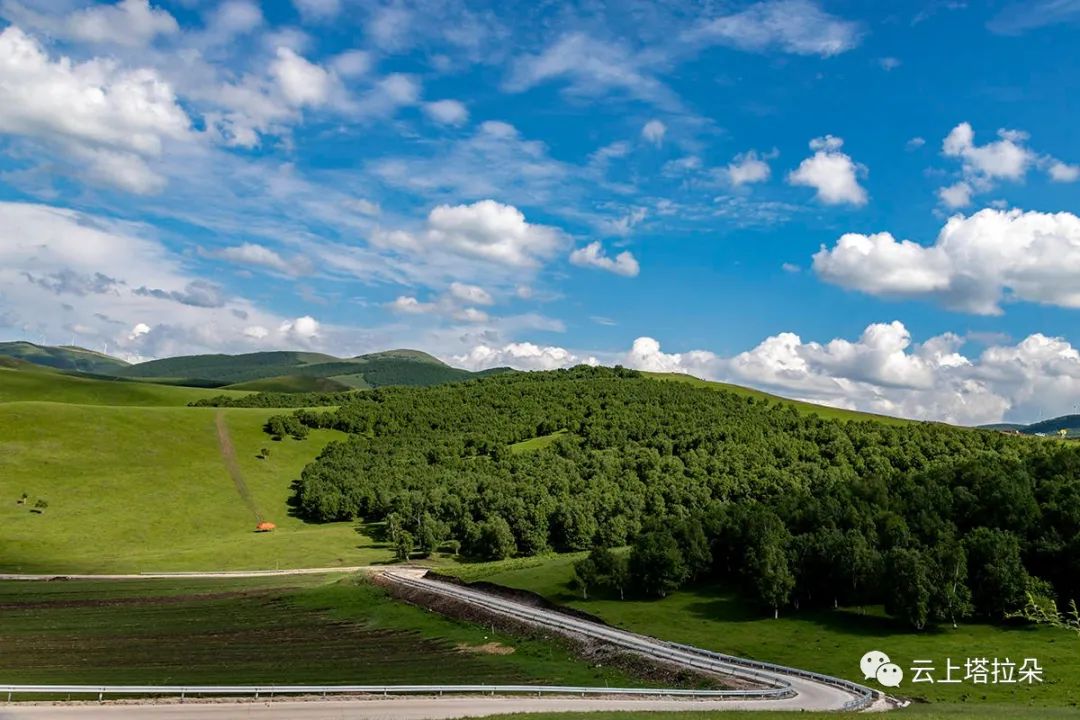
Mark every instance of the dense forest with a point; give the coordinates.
(938, 523)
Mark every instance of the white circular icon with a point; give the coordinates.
(890, 675)
(870, 663)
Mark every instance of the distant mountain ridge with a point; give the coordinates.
(274, 371)
(1069, 423)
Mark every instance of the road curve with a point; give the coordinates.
(810, 691)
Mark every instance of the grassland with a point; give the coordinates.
(291, 630)
(827, 641)
(134, 489)
(45, 385)
(537, 443)
(824, 411)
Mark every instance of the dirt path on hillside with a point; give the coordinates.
(228, 453)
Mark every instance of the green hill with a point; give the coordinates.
(1069, 423)
(824, 411)
(20, 380)
(300, 372)
(291, 384)
(63, 358)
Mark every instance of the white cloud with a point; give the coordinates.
(623, 225)
(831, 173)
(1062, 172)
(747, 168)
(485, 230)
(654, 131)
(318, 10)
(523, 356)
(352, 63)
(129, 22)
(889, 63)
(800, 27)
(255, 254)
(60, 268)
(957, 195)
(301, 330)
(983, 166)
(593, 68)
(593, 255)
(110, 119)
(411, 306)
(473, 294)
(975, 263)
(915, 143)
(447, 112)
(301, 82)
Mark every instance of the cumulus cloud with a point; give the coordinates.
(983, 166)
(654, 131)
(975, 264)
(447, 112)
(128, 23)
(747, 168)
(523, 356)
(831, 172)
(593, 255)
(107, 117)
(485, 230)
(302, 82)
(799, 27)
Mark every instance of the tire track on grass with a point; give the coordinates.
(228, 454)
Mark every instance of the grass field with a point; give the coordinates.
(134, 489)
(820, 410)
(269, 630)
(537, 443)
(827, 641)
(31, 383)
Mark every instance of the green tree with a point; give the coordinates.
(403, 545)
(997, 575)
(496, 541)
(657, 565)
(907, 586)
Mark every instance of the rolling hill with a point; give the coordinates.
(64, 357)
(277, 371)
(1069, 423)
(300, 371)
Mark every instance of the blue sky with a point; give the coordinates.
(864, 204)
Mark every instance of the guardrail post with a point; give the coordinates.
(181, 696)
(101, 695)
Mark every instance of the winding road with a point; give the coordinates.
(781, 688)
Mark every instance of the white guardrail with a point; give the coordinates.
(270, 691)
(745, 669)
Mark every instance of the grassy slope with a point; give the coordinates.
(249, 631)
(830, 642)
(537, 443)
(140, 489)
(66, 357)
(821, 410)
(291, 384)
(42, 384)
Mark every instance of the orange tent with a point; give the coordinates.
(265, 527)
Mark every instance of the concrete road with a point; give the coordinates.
(809, 693)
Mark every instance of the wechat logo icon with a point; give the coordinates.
(875, 665)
